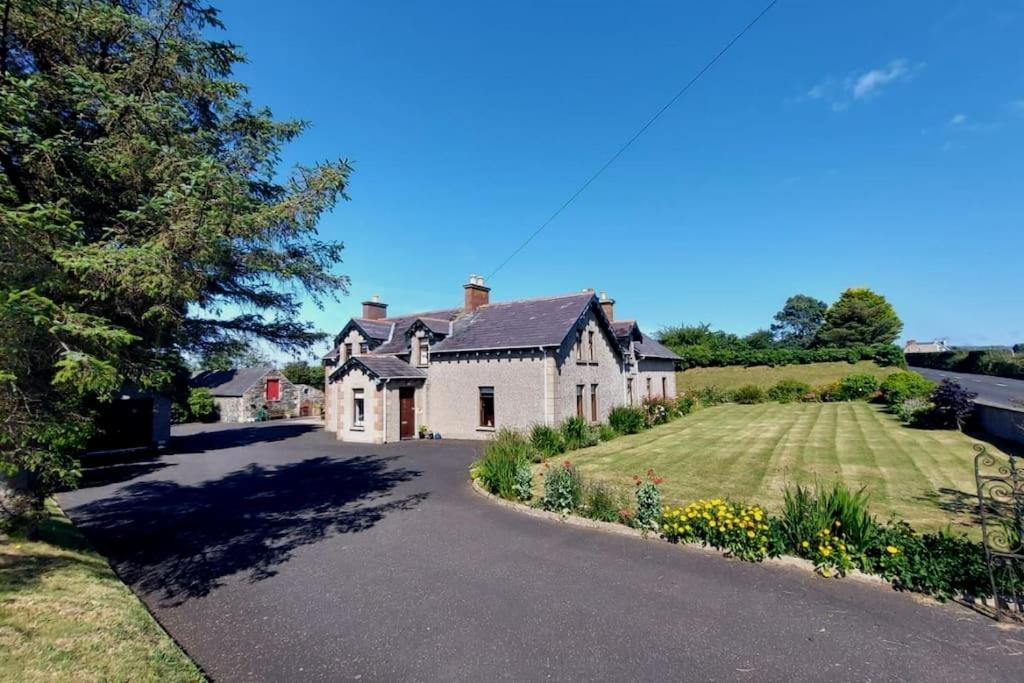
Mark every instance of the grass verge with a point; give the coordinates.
(750, 452)
(65, 615)
(815, 374)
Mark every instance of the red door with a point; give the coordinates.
(406, 413)
(273, 390)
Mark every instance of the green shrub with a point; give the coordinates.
(940, 564)
(602, 502)
(712, 395)
(685, 405)
(201, 404)
(788, 390)
(913, 411)
(547, 441)
(576, 433)
(179, 414)
(563, 488)
(658, 410)
(648, 502)
(606, 432)
(627, 419)
(749, 394)
(903, 386)
(702, 354)
(504, 467)
(855, 388)
(953, 405)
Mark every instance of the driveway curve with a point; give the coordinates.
(273, 552)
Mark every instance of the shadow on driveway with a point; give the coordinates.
(179, 541)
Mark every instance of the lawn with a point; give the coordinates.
(749, 453)
(64, 615)
(815, 374)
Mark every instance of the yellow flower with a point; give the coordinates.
(838, 523)
(825, 550)
(750, 534)
(764, 551)
(712, 523)
(805, 544)
(826, 572)
(891, 549)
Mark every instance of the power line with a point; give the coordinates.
(636, 135)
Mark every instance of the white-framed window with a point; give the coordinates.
(358, 408)
(487, 407)
(424, 351)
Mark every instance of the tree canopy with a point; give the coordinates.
(859, 317)
(799, 320)
(300, 372)
(142, 214)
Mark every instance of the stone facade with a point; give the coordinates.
(245, 407)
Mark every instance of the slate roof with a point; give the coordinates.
(399, 343)
(529, 323)
(650, 348)
(228, 382)
(374, 329)
(383, 367)
(626, 328)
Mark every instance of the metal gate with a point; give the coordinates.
(1000, 481)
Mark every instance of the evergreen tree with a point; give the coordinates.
(799, 320)
(142, 214)
(859, 317)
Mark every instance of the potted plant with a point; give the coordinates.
(424, 430)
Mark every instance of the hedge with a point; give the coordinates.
(702, 357)
(991, 362)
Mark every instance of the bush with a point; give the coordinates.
(914, 411)
(576, 433)
(900, 387)
(788, 390)
(996, 362)
(684, 405)
(940, 564)
(855, 388)
(201, 404)
(711, 395)
(606, 432)
(702, 355)
(563, 488)
(504, 467)
(547, 441)
(602, 502)
(744, 531)
(648, 502)
(831, 527)
(749, 394)
(179, 414)
(658, 410)
(627, 419)
(953, 405)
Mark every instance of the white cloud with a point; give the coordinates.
(869, 84)
(958, 119)
(861, 86)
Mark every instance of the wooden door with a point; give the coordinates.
(406, 412)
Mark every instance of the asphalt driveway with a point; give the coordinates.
(273, 552)
(997, 391)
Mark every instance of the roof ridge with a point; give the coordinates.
(539, 298)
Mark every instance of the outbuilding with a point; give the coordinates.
(244, 394)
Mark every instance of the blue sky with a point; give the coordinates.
(838, 144)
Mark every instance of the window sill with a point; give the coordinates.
(357, 429)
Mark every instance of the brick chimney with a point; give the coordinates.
(374, 309)
(608, 305)
(477, 294)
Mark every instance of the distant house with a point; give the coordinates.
(311, 400)
(469, 370)
(914, 346)
(241, 393)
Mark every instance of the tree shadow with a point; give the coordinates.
(961, 504)
(236, 437)
(181, 541)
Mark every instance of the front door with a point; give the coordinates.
(406, 412)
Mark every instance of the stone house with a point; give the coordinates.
(465, 372)
(310, 400)
(914, 346)
(240, 393)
